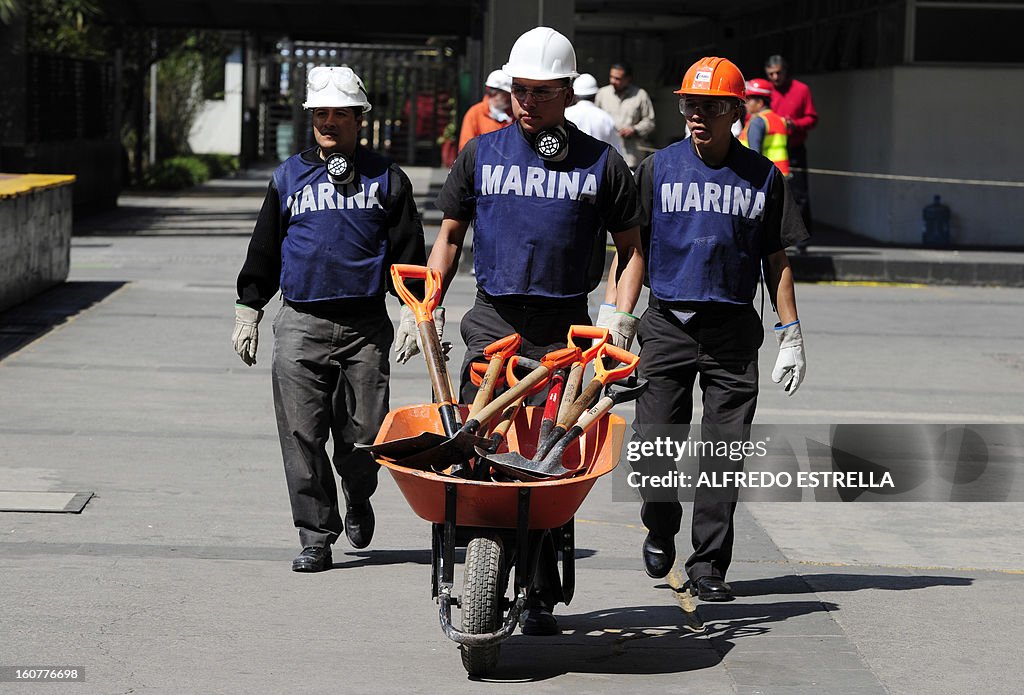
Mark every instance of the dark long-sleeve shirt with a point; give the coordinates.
(260, 277)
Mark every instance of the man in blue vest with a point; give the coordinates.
(538, 194)
(334, 219)
(715, 216)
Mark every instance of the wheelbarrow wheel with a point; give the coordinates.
(482, 592)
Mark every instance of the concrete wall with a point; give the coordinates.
(942, 122)
(218, 126)
(35, 235)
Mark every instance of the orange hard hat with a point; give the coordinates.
(759, 87)
(713, 77)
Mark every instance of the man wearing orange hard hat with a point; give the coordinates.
(715, 217)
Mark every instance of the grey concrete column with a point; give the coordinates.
(504, 22)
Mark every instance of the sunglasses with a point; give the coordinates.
(709, 108)
(540, 94)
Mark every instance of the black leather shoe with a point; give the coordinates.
(359, 523)
(313, 559)
(659, 555)
(538, 622)
(711, 589)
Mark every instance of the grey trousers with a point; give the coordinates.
(330, 378)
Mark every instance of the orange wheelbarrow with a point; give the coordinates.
(503, 525)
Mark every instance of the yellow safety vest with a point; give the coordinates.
(774, 145)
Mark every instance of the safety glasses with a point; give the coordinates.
(709, 108)
(540, 94)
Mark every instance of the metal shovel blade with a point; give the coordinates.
(517, 466)
(445, 453)
(397, 449)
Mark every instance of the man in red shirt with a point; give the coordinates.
(791, 99)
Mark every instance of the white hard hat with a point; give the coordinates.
(334, 87)
(542, 54)
(499, 79)
(585, 85)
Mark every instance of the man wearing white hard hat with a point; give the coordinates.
(587, 117)
(334, 219)
(538, 195)
(491, 113)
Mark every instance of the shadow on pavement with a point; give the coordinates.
(817, 583)
(36, 317)
(366, 558)
(633, 640)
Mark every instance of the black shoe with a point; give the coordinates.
(359, 523)
(313, 559)
(659, 555)
(538, 622)
(711, 589)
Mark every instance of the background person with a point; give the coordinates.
(714, 214)
(791, 99)
(631, 108)
(491, 113)
(334, 219)
(539, 195)
(765, 131)
(593, 121)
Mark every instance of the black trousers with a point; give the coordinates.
(718, 346)
(544, 326)
(799, 184)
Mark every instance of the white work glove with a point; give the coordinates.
(247, 334)
(407, 338)
(791, 361)
(620, 324)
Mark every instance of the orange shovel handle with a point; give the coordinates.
(625, 358)
(423, 309)
(599, 336)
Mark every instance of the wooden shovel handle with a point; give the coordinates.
(592, 391)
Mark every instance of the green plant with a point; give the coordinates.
(177, 172)
(220, 164)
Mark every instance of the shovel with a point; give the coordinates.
(500, 430)
(460, 447)
(602, 376)
(434, 356)
(598, 336)
(496, 353)
(519, 467)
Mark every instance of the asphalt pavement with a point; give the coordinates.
(176, 575)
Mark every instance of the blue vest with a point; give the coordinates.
(536, 222)
(336, 237)
(707, 225)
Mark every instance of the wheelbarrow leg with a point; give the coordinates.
(568, 553)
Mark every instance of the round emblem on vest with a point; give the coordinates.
(339, 169)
